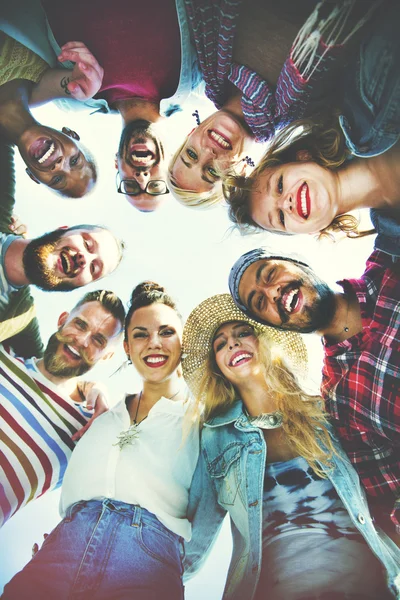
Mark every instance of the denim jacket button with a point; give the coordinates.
(390, 128)
(361, 518)
(254, 569)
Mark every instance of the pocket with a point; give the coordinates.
(379, 58)
(160, 545)
(226, 473)
(53, 537)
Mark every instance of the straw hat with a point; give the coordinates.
(204, 321)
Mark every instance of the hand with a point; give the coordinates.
(17, 227)
(95, 395)
(87, 75)
(35, 547)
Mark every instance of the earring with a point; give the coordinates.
(195, 114)
(27, 171)
(122, 367)
(249, 161)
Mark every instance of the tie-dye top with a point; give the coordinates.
(310, 545)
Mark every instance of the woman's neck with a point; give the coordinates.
(152, 392)
(370, 182)
(15, 116)
(256, 397)
(234, 103)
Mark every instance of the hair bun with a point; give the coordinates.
(146, 294)
(146, 287)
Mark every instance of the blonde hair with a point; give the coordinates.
(304, 421)
(323, 139)
(191, 198)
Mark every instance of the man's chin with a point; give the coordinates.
(45, 279)
(62, 369)
(145, 204)
(297, 327)
(56, 364)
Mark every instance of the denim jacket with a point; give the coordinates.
(372, 107)
(372, 88)
(229, 479)
(25, 21)
(388, 229)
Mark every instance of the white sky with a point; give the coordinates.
(190, 252)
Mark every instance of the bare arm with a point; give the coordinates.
(82, 82)
(52, 85)
(96, 397)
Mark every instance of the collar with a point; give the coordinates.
(163, 405)
(233, 415)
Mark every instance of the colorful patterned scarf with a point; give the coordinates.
(307, 76)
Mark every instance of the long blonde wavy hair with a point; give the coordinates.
(322, 138)
(304, 419)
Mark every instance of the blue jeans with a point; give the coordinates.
(103, 550)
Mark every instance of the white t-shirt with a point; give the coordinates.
(5, 286)
(154, 471)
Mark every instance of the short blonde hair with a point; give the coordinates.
(191, 198)
(304, 419)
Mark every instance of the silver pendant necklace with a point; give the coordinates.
(267, 420)
(126, 438)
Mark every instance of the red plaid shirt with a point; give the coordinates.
(361, 383)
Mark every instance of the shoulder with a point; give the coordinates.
(387, 226)
(7, 183)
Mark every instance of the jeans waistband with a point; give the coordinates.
(135, 513)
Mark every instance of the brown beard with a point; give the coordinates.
(142, 130)
(56, 365)
(36, 265)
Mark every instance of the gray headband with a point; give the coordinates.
(240, 267)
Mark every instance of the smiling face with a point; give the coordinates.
(299, 197)
(85, 336)
(153, 342)
(56, 159)
(286, 295)
(216, 144)
(63, 260)
(235, 348)
(140, 158)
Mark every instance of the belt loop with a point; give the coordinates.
(111, 505)
(73, 508)
(136, 517)
(68, 512)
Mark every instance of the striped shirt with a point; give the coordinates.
(36, 426)
(309, 77)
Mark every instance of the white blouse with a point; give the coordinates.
(154, 471)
